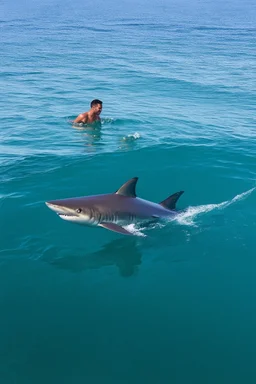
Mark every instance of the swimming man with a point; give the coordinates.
(92, 115)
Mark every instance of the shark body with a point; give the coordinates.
(114, 210)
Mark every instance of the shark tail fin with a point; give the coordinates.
(170, 202)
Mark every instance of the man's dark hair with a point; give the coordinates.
(95, 102)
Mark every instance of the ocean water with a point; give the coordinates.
(175, 303)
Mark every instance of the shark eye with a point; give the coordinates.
(78, 210)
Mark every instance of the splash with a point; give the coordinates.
(188, 216)
(132, 137)
(135, 231)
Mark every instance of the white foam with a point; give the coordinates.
(188, 216)
(135, 231)
(132, 136)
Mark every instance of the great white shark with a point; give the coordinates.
(115, 210)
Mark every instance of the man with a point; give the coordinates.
(92, 115)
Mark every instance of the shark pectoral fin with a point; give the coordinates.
(115, 228)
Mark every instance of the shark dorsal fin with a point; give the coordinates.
(170, 202)
(129, 188)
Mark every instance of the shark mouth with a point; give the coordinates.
(61, 212)
(65, 214)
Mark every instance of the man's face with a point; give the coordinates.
(97, 108)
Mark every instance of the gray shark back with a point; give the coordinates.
(126, 206)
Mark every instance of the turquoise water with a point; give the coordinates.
(176, 302)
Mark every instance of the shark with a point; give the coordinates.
(114, 211)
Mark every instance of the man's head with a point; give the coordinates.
(96, 105)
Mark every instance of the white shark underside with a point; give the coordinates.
(114, 210)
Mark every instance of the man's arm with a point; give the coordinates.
(82, 118)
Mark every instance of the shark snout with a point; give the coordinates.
(62, 211)
(51, 206)
(56, 208)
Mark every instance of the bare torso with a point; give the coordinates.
(91, 116)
